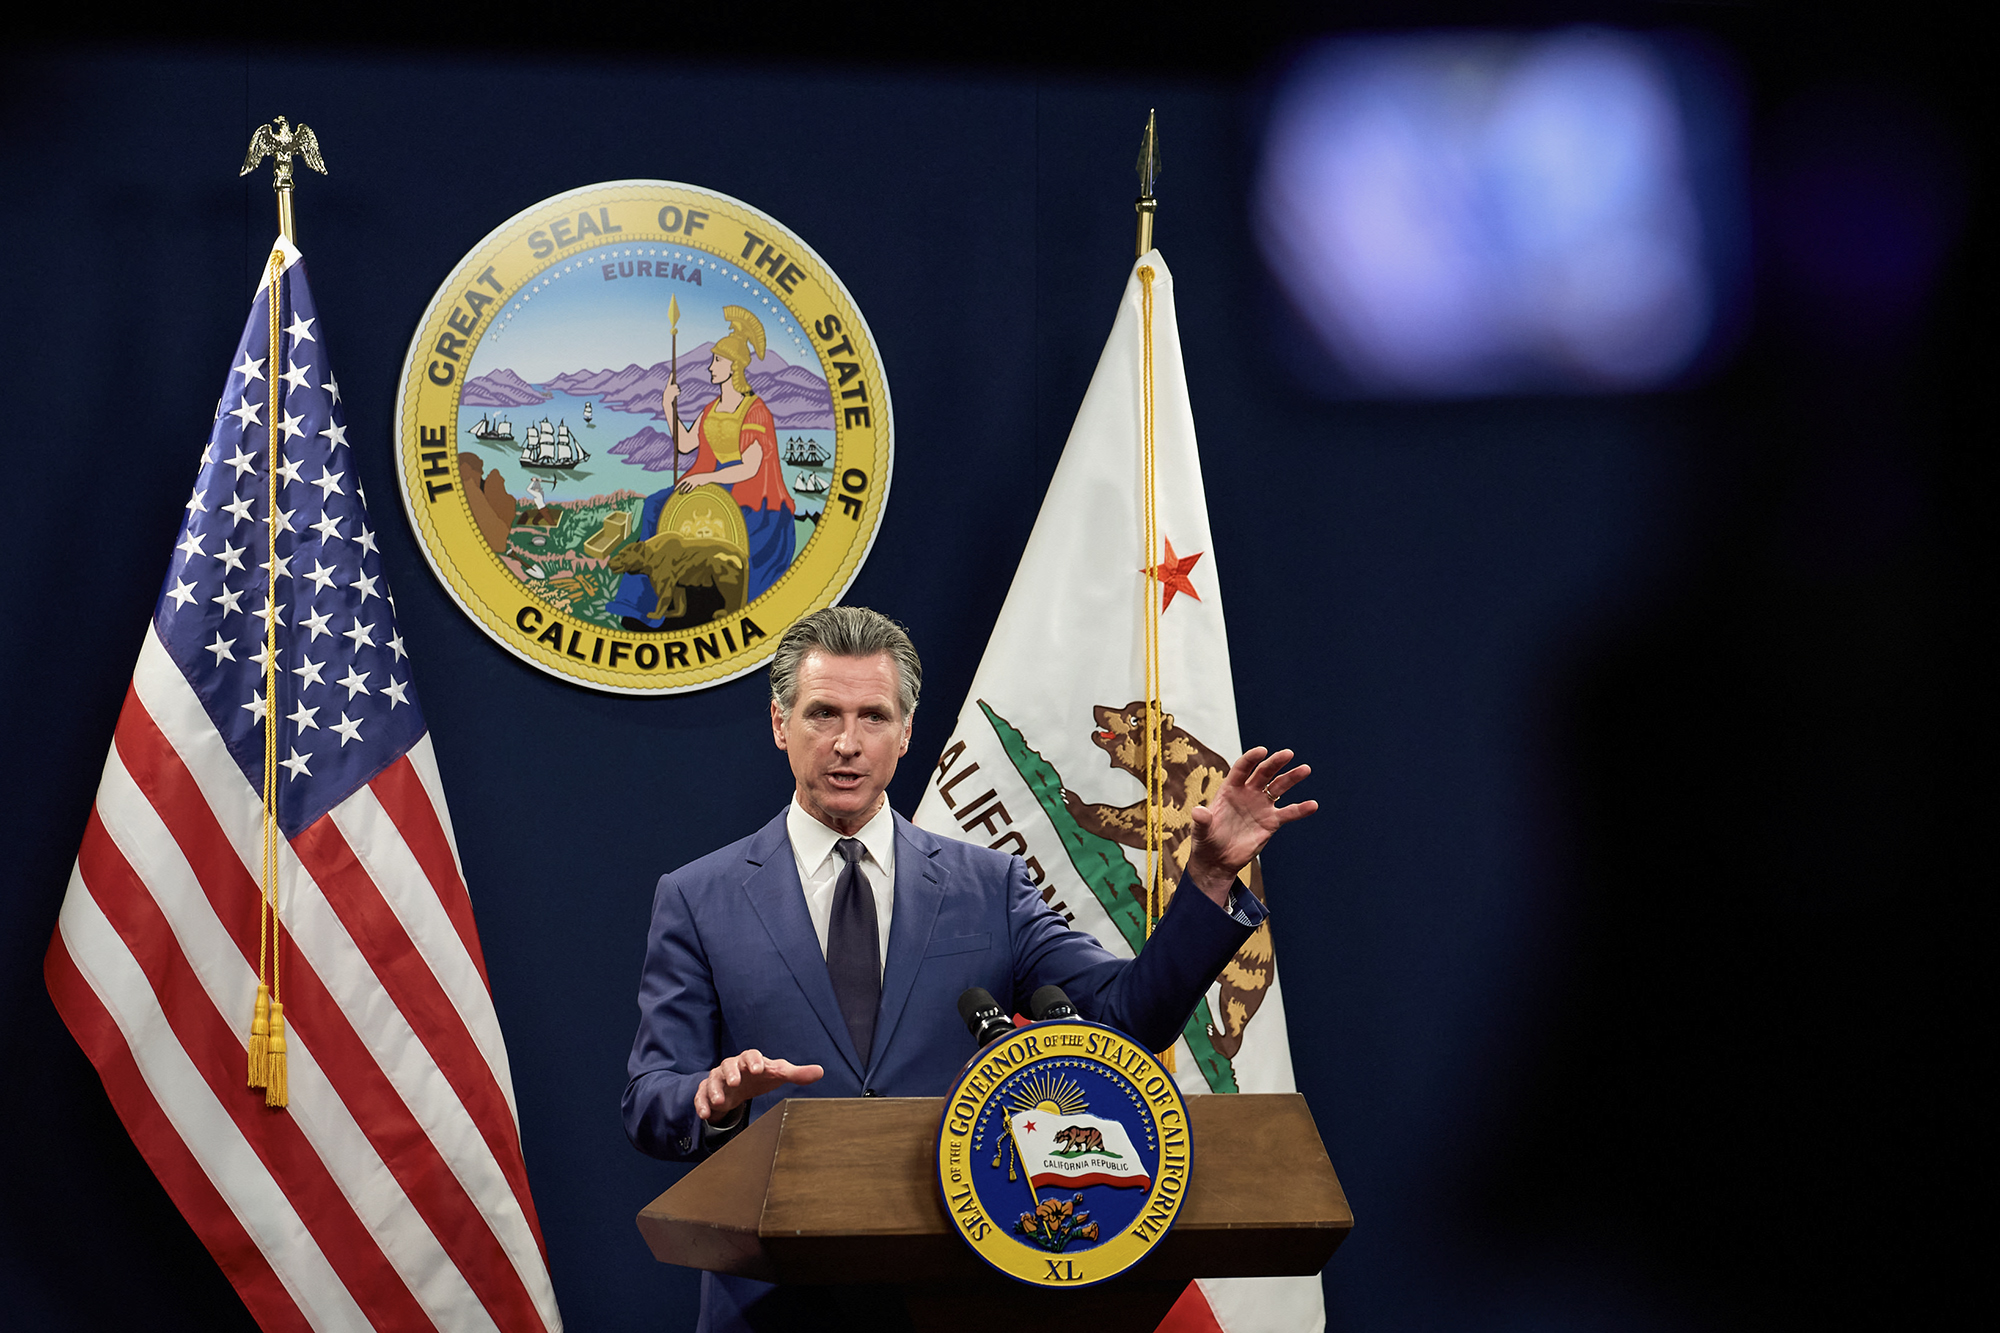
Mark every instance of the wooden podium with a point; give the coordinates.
(840, 1191)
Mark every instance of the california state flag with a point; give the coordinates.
(1048, 760)
(1071, 1151)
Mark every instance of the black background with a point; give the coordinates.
(1629, 962)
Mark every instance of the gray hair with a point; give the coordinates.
(845, 631)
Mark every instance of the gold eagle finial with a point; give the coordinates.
(283, 143)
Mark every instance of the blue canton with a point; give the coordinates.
(345, 707)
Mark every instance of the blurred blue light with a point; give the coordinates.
(1458, 214)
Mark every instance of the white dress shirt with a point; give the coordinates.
(820, 864)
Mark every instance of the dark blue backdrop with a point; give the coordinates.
(1616, 958)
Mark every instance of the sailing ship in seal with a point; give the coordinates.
(497, 429)
(806, 453)
(551, 446)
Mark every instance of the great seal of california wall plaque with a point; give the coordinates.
(640, 430)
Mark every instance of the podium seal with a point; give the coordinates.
(1063, 1154)
(640, 430)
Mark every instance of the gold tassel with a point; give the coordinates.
(277, 1091)
(260, 1031)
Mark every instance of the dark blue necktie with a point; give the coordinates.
(854, 950)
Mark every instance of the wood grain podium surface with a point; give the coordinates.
(836, 1191)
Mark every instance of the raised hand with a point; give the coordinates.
(740, 1077)
(1241, 817)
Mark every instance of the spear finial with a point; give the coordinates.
(1149, 171)
(282, 143)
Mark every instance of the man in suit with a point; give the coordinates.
(824, 954)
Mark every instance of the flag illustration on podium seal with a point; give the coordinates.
(1063, 1154)
(642, 428)
(267, 947)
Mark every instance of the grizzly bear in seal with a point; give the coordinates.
(1192, 773)
(674, 564)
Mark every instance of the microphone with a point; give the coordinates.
(1050, 1002)
(984, 1018)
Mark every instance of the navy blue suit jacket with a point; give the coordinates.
(733, 963)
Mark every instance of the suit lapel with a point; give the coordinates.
(774, 891)
(919, 893)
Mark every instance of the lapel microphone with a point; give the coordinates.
(984, 1018)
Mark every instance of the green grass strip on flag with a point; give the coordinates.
(1109, 873)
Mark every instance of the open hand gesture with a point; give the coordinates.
(1241, 817)
(740, 1077)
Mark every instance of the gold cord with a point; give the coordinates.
(1158, 891)
(267, 1030)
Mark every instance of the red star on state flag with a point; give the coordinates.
(1173, 576)
(1028, 1125)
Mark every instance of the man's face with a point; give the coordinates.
(843, 736)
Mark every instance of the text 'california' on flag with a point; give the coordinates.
(383, 1187)
(1109, 648)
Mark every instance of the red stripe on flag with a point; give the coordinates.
(433, 1189)
(403, 795)
(218, 1054)
(414, 988)
(186, 1183)
(1190, 1314)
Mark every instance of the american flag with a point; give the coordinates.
(391, 1193)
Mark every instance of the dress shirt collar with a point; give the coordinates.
(812, 841)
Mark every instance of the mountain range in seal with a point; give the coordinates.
(798, 399)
